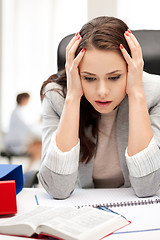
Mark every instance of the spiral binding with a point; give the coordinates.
(128, 203)
(122, 204)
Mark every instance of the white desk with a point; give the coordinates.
(26, 201)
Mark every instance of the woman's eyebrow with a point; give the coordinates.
(88, 73)
(113, 72)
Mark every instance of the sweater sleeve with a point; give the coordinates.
(144, 167)
(144, 162)
(61, 162)
(59, 170)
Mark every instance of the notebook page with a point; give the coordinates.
(93, 197)
(145, 235)
(144, 217)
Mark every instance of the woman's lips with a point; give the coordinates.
(103, 103)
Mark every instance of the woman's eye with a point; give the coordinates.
(114, 78)
(90, 79)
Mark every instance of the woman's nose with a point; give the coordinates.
(103, 89)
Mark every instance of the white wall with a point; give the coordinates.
(31, 32)
(139, 14)
(101, 7)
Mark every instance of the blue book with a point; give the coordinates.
(12, 172)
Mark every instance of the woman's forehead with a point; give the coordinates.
(95, 59)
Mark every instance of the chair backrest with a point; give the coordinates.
(150, 44)
(148, 39)
(61, 53)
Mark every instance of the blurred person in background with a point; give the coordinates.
(22, 136)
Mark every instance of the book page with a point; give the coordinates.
(84, 223)
(24, 224)
(64, 221)
(94, 197)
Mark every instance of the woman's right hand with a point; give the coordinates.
(74, 86)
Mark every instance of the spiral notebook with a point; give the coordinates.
(117, 197)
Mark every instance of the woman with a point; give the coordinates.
(101, 115)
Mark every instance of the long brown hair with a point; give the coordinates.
(106, 33)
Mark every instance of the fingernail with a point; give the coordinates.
(83, 49)
(126, 33)
(77, 34)
(78, 38)
(129, 31)
(121, 46)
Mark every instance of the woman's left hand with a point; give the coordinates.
(135, 64)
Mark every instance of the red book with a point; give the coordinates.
(8, 203)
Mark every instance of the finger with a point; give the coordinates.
(134, 39)
(71, 53)
(70, 44)
(78, 58)
(134, 46)
(125, 54)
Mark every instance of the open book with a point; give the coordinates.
(65, 222)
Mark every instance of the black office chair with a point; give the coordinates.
(148, 39)
(61, 52)
(150, 44)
